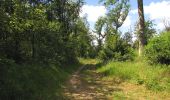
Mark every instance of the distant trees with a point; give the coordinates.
(99, 31)
(36, 38)
(127, 37)
(158, 49)
(117, 12)
(113, 46)
(149, 30)
(41, 30)
(166, 23)
(84, 38)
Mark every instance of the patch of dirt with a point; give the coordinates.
(87, 84)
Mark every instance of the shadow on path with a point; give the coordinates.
(87, 84)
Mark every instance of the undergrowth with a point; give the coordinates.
(153, 77)
(33, 81)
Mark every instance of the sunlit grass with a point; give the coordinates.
(88, 61)
(154, 77)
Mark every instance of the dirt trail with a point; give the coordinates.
(87, 84)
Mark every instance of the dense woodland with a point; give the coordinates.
(41, 42)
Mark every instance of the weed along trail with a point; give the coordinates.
(88, 83)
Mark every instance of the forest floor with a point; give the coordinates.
(87, 84)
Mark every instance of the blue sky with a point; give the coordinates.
(155, 10)
(132, 2)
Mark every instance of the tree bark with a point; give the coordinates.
(142, 40)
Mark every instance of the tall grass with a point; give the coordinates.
(89, 61)
(33, 81)
(154, 77)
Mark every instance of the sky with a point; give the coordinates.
(155, 10)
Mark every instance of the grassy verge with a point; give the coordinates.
(33, 81)
(153, 77)
(89, 61)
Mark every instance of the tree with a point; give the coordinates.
(149, 30)
(117, 12)
(127, 37)
(114, 48)
(39, 30)
(166, 23)
(35, 34)
(84, 39)
(99, 30)
(142, 40)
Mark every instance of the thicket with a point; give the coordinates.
(158, 49)
(111, 46)
(42, 31)
(37, 39)
(116, 49)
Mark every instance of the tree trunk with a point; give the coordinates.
(142, 39)
(33, 45)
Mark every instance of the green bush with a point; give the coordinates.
(158, 49)
(116, 49)
(31, 81)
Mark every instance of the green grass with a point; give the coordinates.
(119, 96)
(89, 61)
(33, 81)
(154, 77)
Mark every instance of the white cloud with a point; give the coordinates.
(134, 11)
(127, 22)
(93, 12)
(160, 26)
(156, 11)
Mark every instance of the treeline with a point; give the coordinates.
(42, 30)
(39, 41)
(114, 45)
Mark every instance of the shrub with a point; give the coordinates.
(116, 49)
(158, 49)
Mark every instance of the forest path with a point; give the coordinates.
(87, 84)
